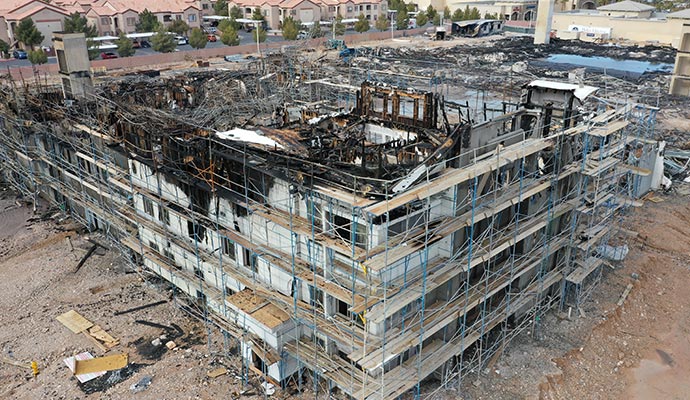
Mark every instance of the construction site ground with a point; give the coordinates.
(640, 350)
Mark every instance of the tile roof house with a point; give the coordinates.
(48, 18)
(114, 16)
(310, 11)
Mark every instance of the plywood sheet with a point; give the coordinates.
(70, 361)
(74, 321)
(107, 363)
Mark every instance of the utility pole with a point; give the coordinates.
(256, 32)
(393, 14)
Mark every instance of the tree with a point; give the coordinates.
(458, 15)
(163, 42)
(422, 19)
(474, 14)
(315, 31)
(92, 48)
(198, 39)
(27, 33)
(411, 7)
(4, 49)
(225, 25)
(124, 46)
(446, 13)
(431, 12)
(401, 18)
(467, 13)
(339, 27)
(178, 26)
(257, 15)
(235, 12)
(38, 57)
(259, 34)
(437, 20)
(395, 4)
(382, 23)
(362, 24)
(221, 7)
(76, 23)
(147, 22)
(488, 15)
(230, 37)
(290, 29)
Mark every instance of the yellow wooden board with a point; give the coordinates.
(107, 363)
(74, 321)
(98, 333)
(217, 372)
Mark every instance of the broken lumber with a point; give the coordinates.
(74, 321)
(86, 257)
(15, 363)
(102, 336)
(625, 294)
(100, 364)
(217, 372)
(141, 307)
(95, 342)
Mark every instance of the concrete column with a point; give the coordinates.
(680, 83)
(542, 32)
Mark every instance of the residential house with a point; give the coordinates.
(310, 11)
(48, 18)
(114, 16)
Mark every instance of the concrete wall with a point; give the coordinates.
(637, 30)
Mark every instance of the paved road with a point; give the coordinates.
(245, 38)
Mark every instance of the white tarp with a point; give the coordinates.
(248, 136)
(581, 92)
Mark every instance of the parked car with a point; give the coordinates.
(212, 38)
(211, 29)
(19, 54)
(108, 55)
(181, 40)
(136, 44)
(145, 44)
(302, 35)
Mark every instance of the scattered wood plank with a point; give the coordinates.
(95, 342)
(625, 294)
(25, 365)
(107, 363)
(74, 321)
(145, 306)
(69, 361)
(217, 372)
(102, 336)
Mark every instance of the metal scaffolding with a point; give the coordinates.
(324, 277)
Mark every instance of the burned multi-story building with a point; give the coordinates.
(367, 248)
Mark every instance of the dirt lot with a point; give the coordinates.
(38, 283)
